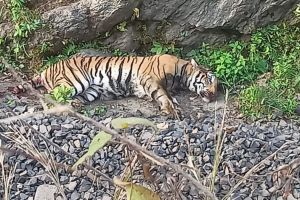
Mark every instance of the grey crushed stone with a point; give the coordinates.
(243, 148)
(46, 192)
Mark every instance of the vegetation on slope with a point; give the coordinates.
(272, 51)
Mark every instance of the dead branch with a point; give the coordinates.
(150, 155)
(54, 110)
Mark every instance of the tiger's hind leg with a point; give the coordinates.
(157, 92)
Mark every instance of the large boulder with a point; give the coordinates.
(188, 23)
(82, 21)
(195, 21)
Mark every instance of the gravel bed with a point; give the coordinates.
(246, 145)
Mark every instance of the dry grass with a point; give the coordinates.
(221, 135)
(7, 175)
(44, 158)
(131, 167)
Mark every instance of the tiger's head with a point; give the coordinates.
(203, 82)
(37, 82)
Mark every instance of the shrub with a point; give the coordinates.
(274, 49)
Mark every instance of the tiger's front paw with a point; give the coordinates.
(171, 110)
(77, 104)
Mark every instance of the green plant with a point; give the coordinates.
(25, 23)
(118, 52)
(10, 102)
(274, 49)
(2, 40)
(22, 30)
(252, 101)
(2, 67)
(62, 94)
(122, 26)
(43, 48)
(69, 49)
(96, 111)
(159, 48)
(280, 46)
(233, 65)
(257, 101)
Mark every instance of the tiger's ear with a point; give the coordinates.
(194, 63)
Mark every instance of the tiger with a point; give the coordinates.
(112, 77)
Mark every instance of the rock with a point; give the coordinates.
(64, 179)
(190, 25)
(92, 52)
(180, 155)
(125, 41)
(87, 195)
(146, 135)
(45, 192)
(32, 181)
(55, 127)
(84, 186)
(110, 168)
(282, 123)
(77, 143)
(265, 193)
(23, 196)
(75, 195)
(72, 185)
(83, 20)
(255, 145)
(67, 127)
(175, 149)
(106, 197)
(105, 184)
(65, 147)
(206, 158)
(71, 149)
(43, 128)
(20, 109)
(244, 129)
(210, 137)
(247, 143)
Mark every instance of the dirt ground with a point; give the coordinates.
(189, 103)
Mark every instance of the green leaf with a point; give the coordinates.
(122, 123)
(137, 192)
(97, 143)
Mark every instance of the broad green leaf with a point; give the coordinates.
(137, 192)
(97, 143)
(122, 123)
